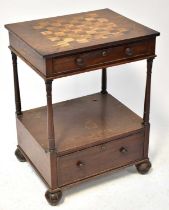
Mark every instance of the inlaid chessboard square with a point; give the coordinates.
(72, 32)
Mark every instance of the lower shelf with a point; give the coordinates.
(82, 122)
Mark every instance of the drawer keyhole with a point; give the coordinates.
(103, 147)
(80, 164)
(123, 150)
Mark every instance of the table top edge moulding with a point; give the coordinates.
(75, 140)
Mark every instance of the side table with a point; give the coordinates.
(72, 141)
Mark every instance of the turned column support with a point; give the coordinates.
(148, 92)
(147, 105)
(50, 123)
(16, 84)
(104, 81)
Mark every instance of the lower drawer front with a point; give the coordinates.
(95, 160)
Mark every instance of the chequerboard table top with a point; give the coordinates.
(83, 30)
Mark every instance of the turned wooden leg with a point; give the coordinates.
(104, 81)
(16, 85)
(50, 124)
(147, 106)
(148, 91)
(53, 196)
(19, 155)
(143, 167)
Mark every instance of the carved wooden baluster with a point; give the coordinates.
(148, 91)
(147, 106)
(16, 84)
(104, 81)
(50, 124)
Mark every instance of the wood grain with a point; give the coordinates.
(36, 154)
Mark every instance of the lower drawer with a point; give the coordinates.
(95, 160)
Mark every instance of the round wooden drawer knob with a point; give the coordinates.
(80, 164)
(104, 53)
(128, 51)
(123, 150)
(79, 61)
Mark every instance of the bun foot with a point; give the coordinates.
(143, 167)
(19, 155)
(53, 197)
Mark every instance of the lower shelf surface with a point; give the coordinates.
(82, 122)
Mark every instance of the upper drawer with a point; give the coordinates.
(107, 56)
(98, 159)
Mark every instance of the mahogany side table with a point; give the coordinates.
(72, 141)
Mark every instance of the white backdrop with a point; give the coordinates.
(20, 188)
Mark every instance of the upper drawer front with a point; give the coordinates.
(96, 58)
(97, 159)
